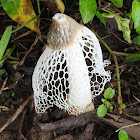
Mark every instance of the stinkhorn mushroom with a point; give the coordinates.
(70, 72)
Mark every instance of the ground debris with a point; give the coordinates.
(68, 123)
(65, 137)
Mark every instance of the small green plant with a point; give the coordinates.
(54, 134)
(88, 9)
(102, 109)
(123, 135)
(6, 53)
(12, 94)
(3, 44)
(107, 105)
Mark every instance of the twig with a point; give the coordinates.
(136, 98)
(137, 102)
(120, 53)
(121, 39)
(22, 35)
(133, 117)
(20, 126)
(15, 115)
(4, 83)
(23, 59)
(69, 123)
(135, 124)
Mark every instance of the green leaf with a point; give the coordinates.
(108, 104)
(117, 3)
(136, 40)
(101, 111)
(123, 25)
(4, 40)
(109, 93)
(87, 9)
(122, 106)
(16, 3)
(13, 94)
(99, 15)
(54, 134)
(135, 13)
(108, 15)
(103, 100)
(8, 53)
(123, 135)
(138, 29)
(111, 108)
(1, 72)
(10, 7)
(132, 57)
(1, 65)
(13, 58)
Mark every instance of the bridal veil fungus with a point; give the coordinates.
(70, 72)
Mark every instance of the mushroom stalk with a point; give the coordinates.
(79, 96)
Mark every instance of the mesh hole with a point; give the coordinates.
(64, 64)
(86, 48)
(99, 79)
(45, 88)
(67, 90)
(88, 62)
(55, 75)
(66, 75)
(84, 54)
(58, 66)
(90, 69)
(61, 74)
(91, 41)
(67, 83)
(90, 55)
(62, 58)
(87, 43)
(84, 38)
(93, 78)
(51, 76)
(57, 83)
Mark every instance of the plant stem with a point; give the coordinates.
(117, 69)
(9, 54)
(120, 53)
(119, 84)
(132, 116)
(102, 41)
(39, 11)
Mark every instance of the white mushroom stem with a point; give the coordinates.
(79, 96)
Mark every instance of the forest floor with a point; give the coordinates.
(16, 94)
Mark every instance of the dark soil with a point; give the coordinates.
(18, 85)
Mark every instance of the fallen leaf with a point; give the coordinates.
(21, 11)
(123, 25)
(60, 5)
